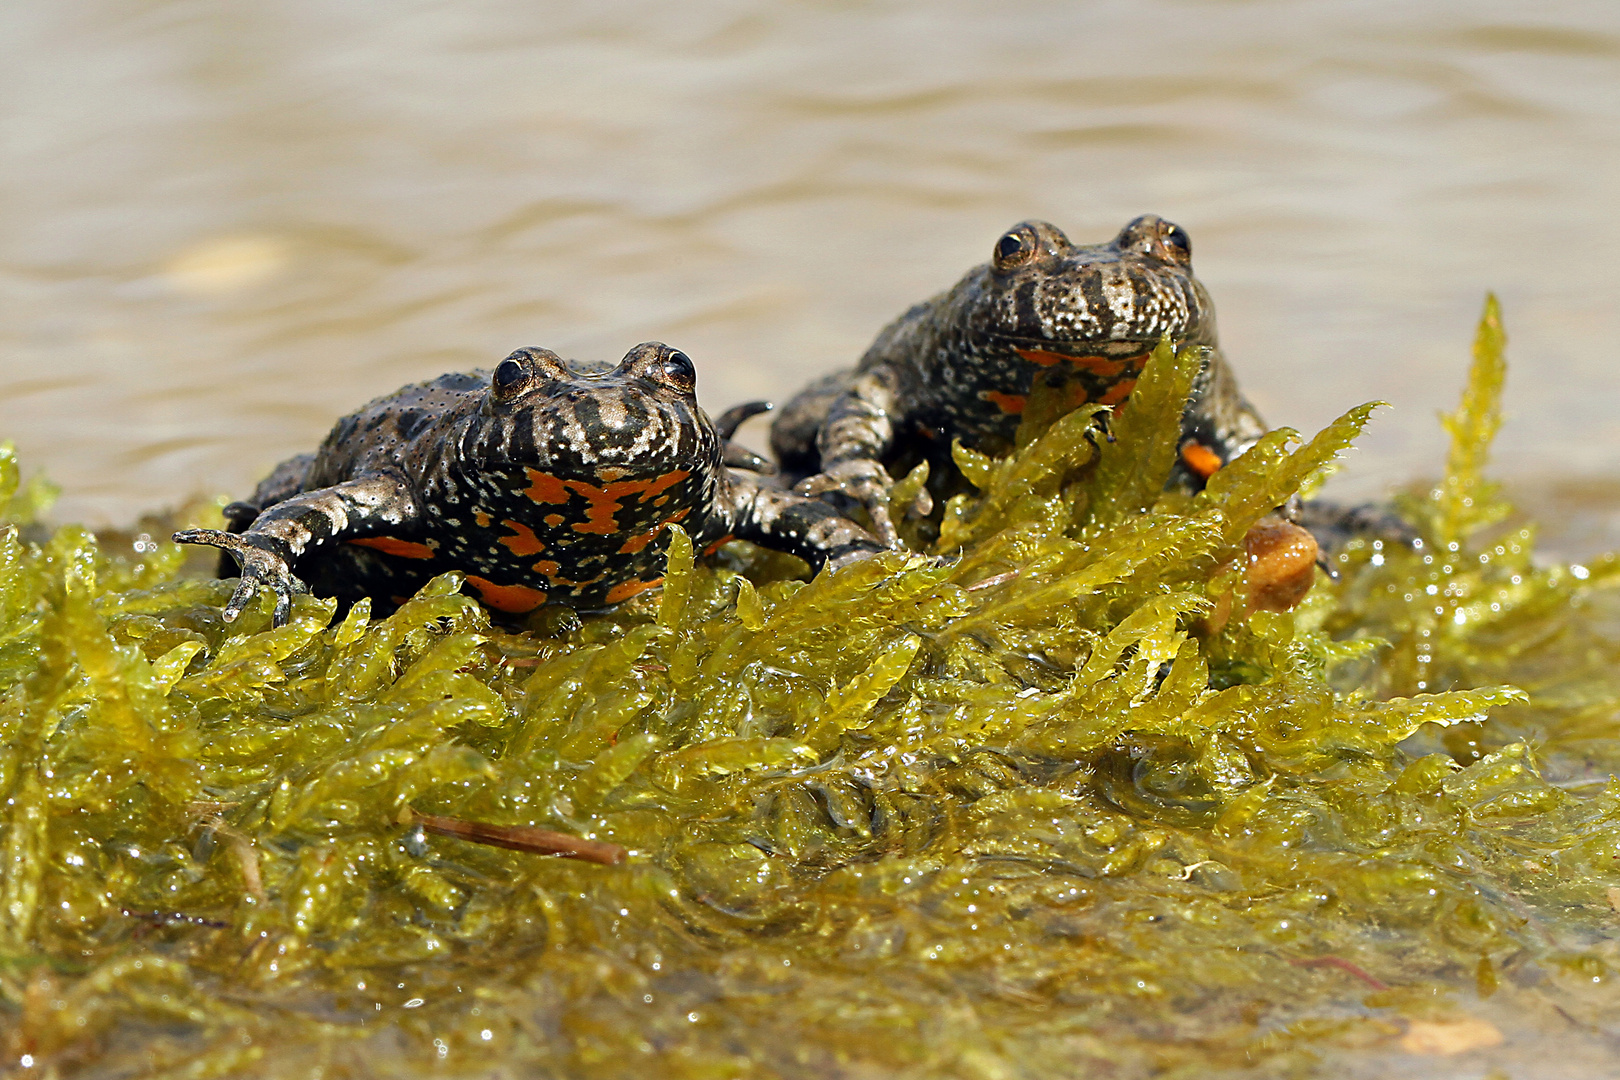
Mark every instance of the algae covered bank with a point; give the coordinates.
(1069, 802)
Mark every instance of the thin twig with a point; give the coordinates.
(171, 917)
(1343, 965)
(519, 838)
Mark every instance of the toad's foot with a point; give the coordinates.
(264, 565)
(867, 482)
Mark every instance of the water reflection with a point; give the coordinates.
(227, 222)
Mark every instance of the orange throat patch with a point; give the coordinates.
(602, 502)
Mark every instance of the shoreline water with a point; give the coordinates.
(238, 221)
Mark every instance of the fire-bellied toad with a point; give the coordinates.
(541, 481)
(962, 364)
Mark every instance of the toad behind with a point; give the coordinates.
(962, 365)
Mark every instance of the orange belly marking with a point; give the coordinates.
(1012, 404)
(545, 488)
(1097, 365)
(624, 591)
(551, 570)
(515, 599)
(1201, 459)
(636, 543)
(602, 503)
(1118, 392)
(392, 545)
(522, 541)
(1041, 356)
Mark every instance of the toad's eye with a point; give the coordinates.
(508, 375)
(1014, 248)
(1177, 240)
(678, 368)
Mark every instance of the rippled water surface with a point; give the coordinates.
(224, 223)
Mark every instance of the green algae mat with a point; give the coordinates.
(1044, 803)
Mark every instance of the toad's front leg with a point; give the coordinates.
(801, 526)
(269, 548)
(858, 432)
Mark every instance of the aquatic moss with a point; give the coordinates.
(1018, 807)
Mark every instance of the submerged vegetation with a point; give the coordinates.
(1058, 799)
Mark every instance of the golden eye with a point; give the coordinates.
(1014, 248)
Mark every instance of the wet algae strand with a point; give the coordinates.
(1028, 811)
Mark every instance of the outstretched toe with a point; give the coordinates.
(262, 567)
(868, 483)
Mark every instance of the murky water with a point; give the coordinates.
(224, 223)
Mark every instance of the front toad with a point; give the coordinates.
(541, 481)
(1083, 318)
